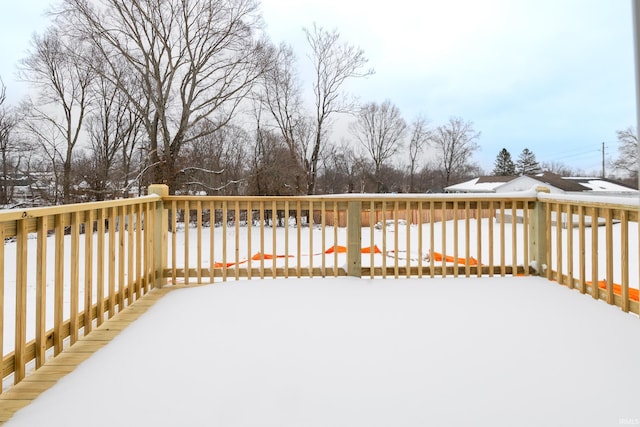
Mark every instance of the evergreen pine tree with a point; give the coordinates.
(504, 165)
(527, 163)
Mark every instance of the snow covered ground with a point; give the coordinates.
(358, 352)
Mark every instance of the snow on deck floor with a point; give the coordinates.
(354, 352)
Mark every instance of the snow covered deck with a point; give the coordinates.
(352, 352)
(81, 271)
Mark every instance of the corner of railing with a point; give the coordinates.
(160, 234)
(538, 234)
(354, 238)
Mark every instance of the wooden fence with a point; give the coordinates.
(108, 254)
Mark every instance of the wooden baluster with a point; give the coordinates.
(130, 257)
(112, 261)
(187, 241)
(225, 234)
(420, 236)
(21, 302)
(624, 249)
(456, 253)
(609, 253)
(432, 215)
(41, 290)
(199, 239)
(58, 309)
(514, 238)
(582, 249)
(467, 239)
(569, 250)
(287, 215)
(236, 220)
(74, 273)
(121, 254)
(249, 236)
(100, 267)
(595, 292)
(396, 229)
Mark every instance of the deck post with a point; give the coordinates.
(354, 239)
(160, 234)
(538, 234)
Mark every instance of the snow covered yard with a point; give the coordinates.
(359, 352)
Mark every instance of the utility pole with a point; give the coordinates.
(603, 175)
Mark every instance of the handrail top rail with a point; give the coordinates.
(610, 202)
(17, 214)
(531, 196)
(366, 197)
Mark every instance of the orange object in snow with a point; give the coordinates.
(617, 289)
(343, 249)
(260, 256)
(339, 249)
(229, 264)
(368, 250)
(439, 257)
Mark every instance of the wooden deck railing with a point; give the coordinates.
(108, 254)
(296, 237)
(66, 269)
(593, 246)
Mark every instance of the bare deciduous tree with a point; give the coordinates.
(344, 170)
(113, 133)
(57, 116)
(380, 129)
(9, 150)
(180, 61)
(281, 96)
(420, 135)
(271, 171)
(627, 160)
(216, 164)
(333, 64)
(455, 142)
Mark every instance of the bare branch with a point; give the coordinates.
(180, 62)
(456, 142)
(333, 63)
(218, 172)
(216, 189)
(380, 129)
(627, 159)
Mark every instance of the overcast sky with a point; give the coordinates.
(555, 76)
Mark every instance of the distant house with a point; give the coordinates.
(17, 187)
(482, 184)
(555, 183)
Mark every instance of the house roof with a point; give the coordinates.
(488, 184)
(483, 184)
(557, 181)
(496, 178)
(602, 184)
(17, 181)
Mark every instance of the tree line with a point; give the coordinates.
(193, 94)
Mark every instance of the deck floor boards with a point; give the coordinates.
(37, 382)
